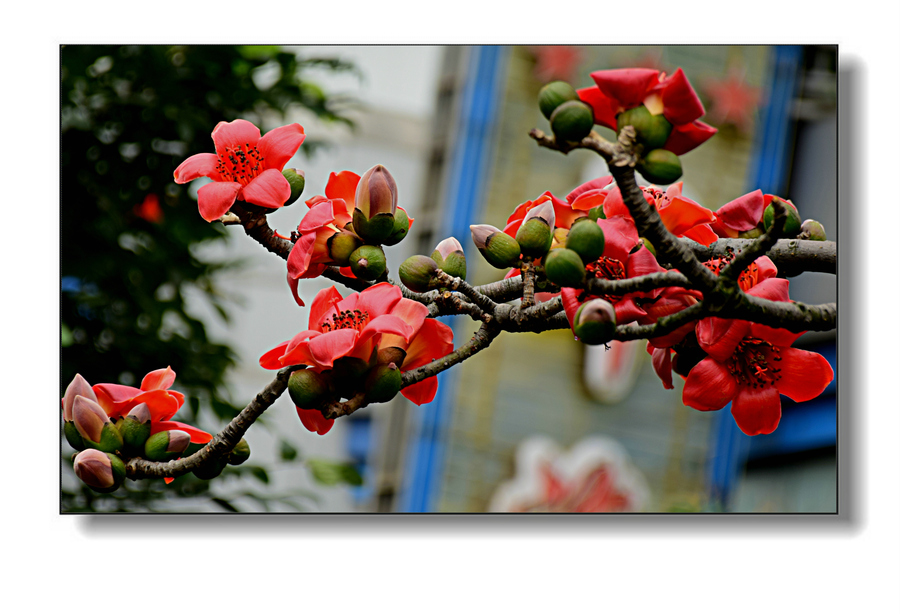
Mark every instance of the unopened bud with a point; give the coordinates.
(564, 268)
(101, 471)
(77, 387)
(536, 232)
(308, 389)
(652, 130)
(391, 355)
(166, 445)
(368, 262)
(297, 181)
(497, 247)
(73, 436)
(811, 230)
(572, 121)
(240, 453)
(450, 258)
(376, 203)
(341, 245)
(595, 322)
(554, 94)
(400, 229)
(135, 428)
(660, 166)
(791, 224)
(383, 383)
(586, 239)
(212, 468)
(94, 426)
(417, 273)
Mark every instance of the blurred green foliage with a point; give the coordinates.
(129, 116)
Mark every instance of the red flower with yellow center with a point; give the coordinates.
(245, 167)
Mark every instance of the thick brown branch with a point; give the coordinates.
(221, 444)
(791, 256)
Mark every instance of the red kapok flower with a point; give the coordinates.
(245, 167)
(672, 97)
(739, 215)
(750, 364)
(682, 216)
(117, 400)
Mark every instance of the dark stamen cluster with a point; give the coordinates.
(241, 164)
(606, 268)
(346, 319)
(750, 365)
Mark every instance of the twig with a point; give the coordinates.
(479, 341)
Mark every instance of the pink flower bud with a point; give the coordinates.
(141, 413)
(94, 468)
(89, 418)
(376, 192)
(77, 387)
(448, 246)
(178, 442)
(544, 212)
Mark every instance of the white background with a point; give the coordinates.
(456, 564)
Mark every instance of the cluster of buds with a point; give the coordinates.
(418, 273)
(105, 441)
(584, 244)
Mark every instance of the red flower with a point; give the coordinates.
(358, 326)
(149, 209)
(245, 167)
(117, 400)
(682, 216)
(672, 97)
(750, 364)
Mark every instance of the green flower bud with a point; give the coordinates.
(212, 468)
(368, 262)
(572, 121)
(135, 428)
(660, 166)
(341, 245)
(73, 436)
(536, 232)
(586, 239)
(400, 229)
(450, 258)
(652, 130)
(383, 383)
(649, 246)
(791, 224)
(498, 248)
(309, 389)
(101, 471)
(94, 426)
(297, 181)
(166, 445)
(554, 94)
(240, 453)
(417, 273)
(597, 213)
(811, 230)
(376, 203)
(564, 268)
(595, 322)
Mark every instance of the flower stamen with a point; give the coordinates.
(355, 319)
(240, 164)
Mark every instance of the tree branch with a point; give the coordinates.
(479, 341)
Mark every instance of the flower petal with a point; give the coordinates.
(422, 392)
(325, 300)
(314, 421)
(757, 411)
(161, 379)
(388, 324)
(702, 234)
(198, 165)
(268, 189)
(605, 108)
(709, 386)
(343, 185)
(804, 375)
(232, 135)
(570, 303)
(719, 337)
(279, 145)
(627, 86)
(682, 214)
(434, 340)
(271, 359)
(662, 364)
(379, 299)
(161, 403)
(216, 198)
(742, 213)
(687, 136)
(114, 398)
(197, 436)
(681, 105)
(293, 284)
(328, 347)
(620, 237)
(301, 254)
(591, 186)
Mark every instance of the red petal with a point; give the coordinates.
(620, 235)
(161, 379)
(197, 436)
(662, 364)
(269, 189)
(742, 213)
(115, 399)
(681, 105)
(682, 214)
(570, 303)
(411, 312)
(593, 185)
(297, 350)
(702, 234)
(605, 108)
(314, 421)
(628, 311)
(198, 165)
(279, 145)
(318, 216)
(379, 299)
(719, 337)
(772, 289)
(434, 340)
(627, 86)
(161, 403)
(642, 262)
(757, 411)
(238, 133)
(686, 137)
(422, 392)
(709, 386)
(343, 185)
(300, 257)
(387, 324)
(270, 360)
(293, 284)
(216, 198)
(324, 302)
(804, 375)
(328, 347)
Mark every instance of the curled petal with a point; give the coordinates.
(434, 340)
(387, 324)
(628, 311)
(688, 136)
(300, 258)
(379, 299)
(682, 214)
(681, 105)
(742, 213)
(627, 86)
(593, 185)
(197, 436)
(422, 392)
(198, 165)
(570, 303)
(757, 411)
(605, 108)
(279, 145)
(328, 347)
(215, 199)
(343, 185)
(719, 337)
(702, 234)
(161, 379)
(293, 284)
(314, 421)
(268, 189)
(325, 300)
(662, 364)
(271, 359)
(804, 375)
(621, 236)
(709, 386)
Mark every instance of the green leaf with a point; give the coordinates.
(288, 452)
(260, 474)
(329, 473)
